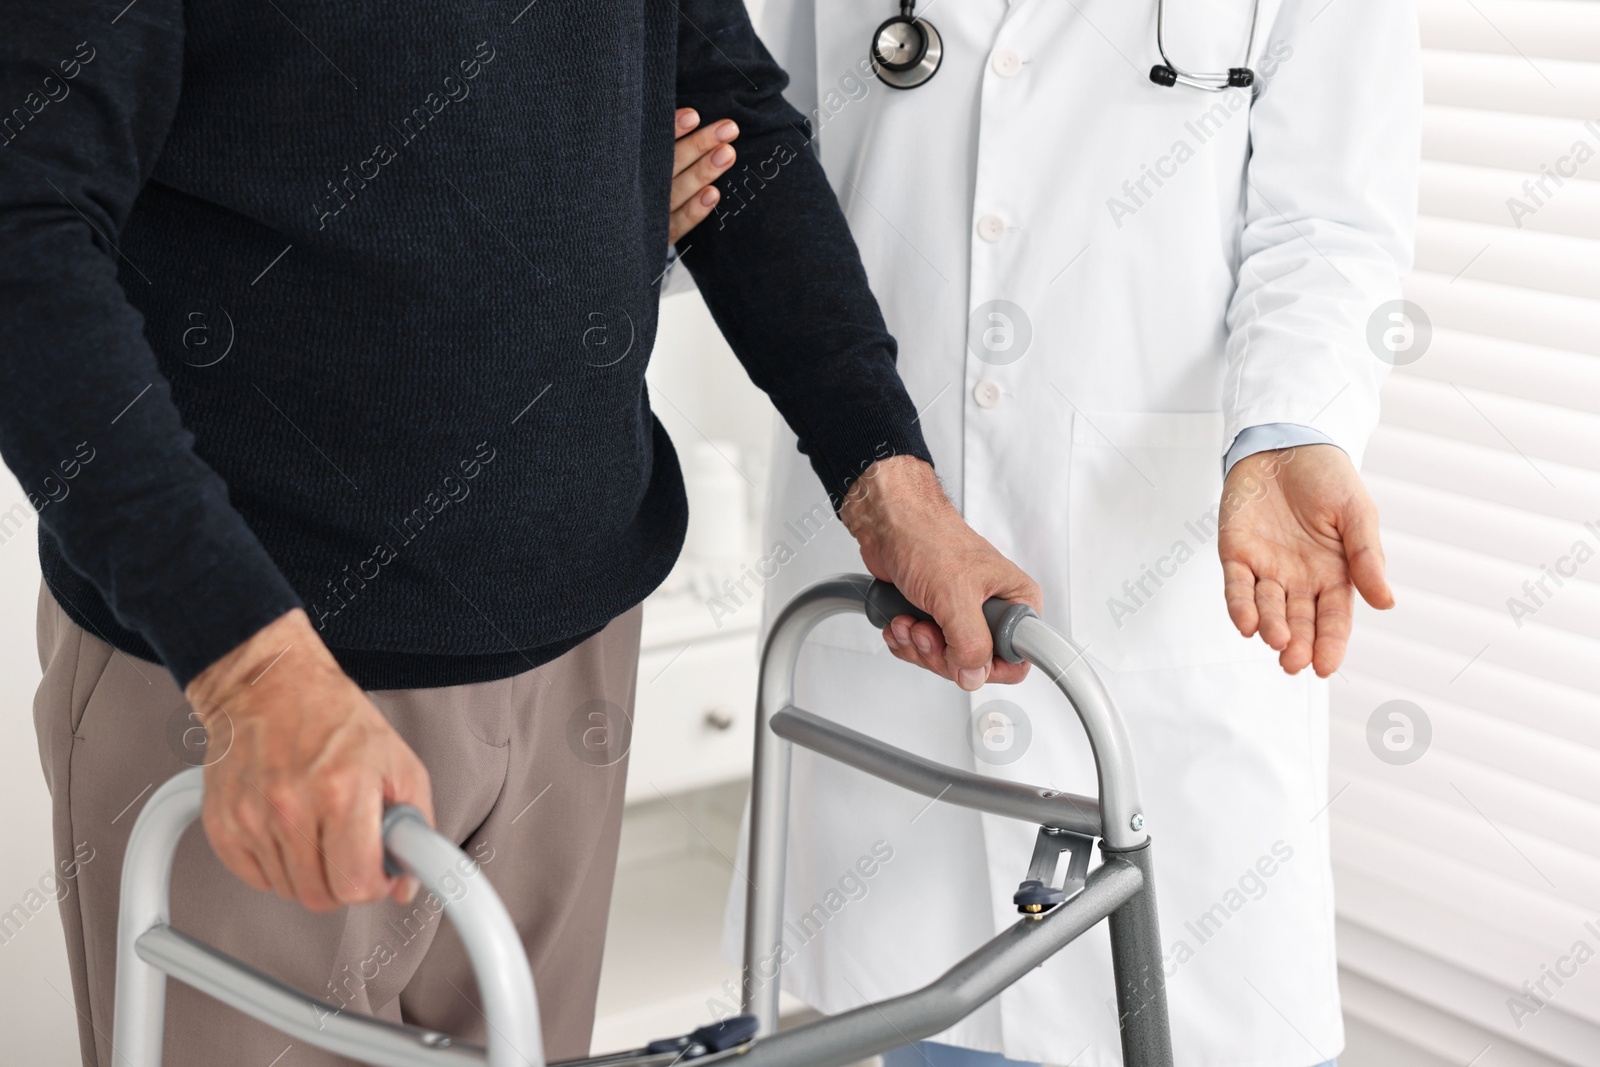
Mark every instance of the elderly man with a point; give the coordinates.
(326, 328)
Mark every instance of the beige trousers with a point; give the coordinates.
(528, 776)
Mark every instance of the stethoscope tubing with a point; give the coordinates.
(1209, 83)
(933, 49)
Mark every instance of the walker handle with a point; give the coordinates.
(884, 602)
(149, 950)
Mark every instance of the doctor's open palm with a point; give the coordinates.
(1298, 533)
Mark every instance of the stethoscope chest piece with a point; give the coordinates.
(906, 50)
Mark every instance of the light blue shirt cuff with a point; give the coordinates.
(1268, 436)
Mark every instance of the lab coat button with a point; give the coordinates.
(987, 393)
(1006, 62)
(991, 228)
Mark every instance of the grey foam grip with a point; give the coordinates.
(884, 602)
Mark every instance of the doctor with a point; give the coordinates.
(1107, 292)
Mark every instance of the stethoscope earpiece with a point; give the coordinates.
(906, 50)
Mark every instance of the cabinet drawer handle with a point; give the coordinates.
(717, 719)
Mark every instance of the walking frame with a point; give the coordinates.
(1055, 905)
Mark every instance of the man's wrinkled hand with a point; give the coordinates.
(911, 535)
(1298, 531)
(295, 802)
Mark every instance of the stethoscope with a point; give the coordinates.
(906, 52)
(1169, 73)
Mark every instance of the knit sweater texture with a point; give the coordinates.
(348, 306)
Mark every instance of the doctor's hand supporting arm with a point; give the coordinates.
(701, 155)
(1297, 531)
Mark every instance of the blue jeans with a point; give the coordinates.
(933, 1054)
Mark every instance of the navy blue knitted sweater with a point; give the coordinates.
(348, 305)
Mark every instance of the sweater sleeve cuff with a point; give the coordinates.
(843, 450)
(217, 587)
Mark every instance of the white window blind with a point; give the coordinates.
(1469, 878)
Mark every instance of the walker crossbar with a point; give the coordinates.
(842, 1039)
(295, 1013)
(853, 1035)
(1048, 807)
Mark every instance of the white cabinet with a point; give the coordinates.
(694, 713)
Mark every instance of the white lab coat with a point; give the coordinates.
(1186, 265)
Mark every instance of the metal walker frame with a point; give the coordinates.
(1055, 907)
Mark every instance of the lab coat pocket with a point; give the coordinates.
(1145, 580)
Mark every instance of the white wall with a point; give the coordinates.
(698, 388)
(1466, 844)
(36, 1014)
